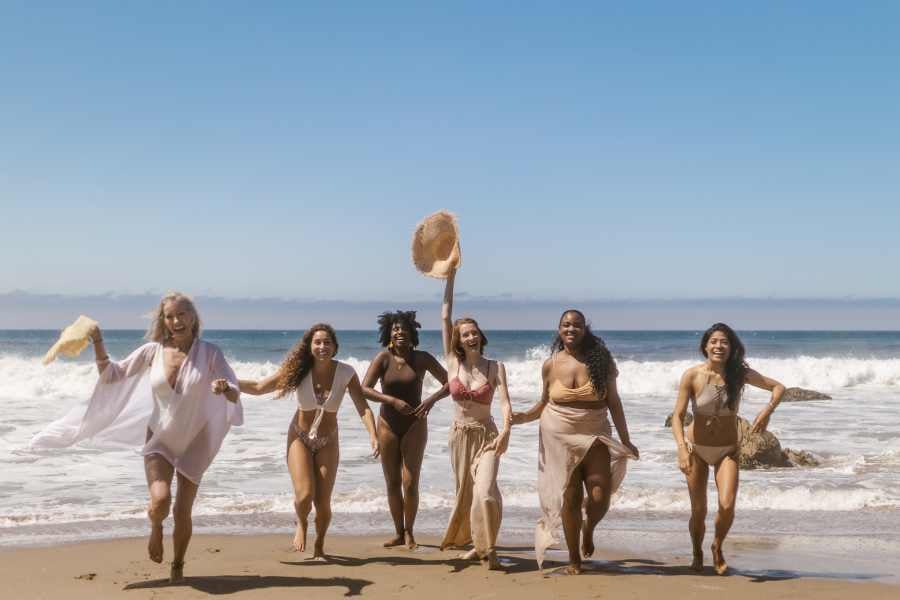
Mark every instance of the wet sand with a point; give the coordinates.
(263, 566)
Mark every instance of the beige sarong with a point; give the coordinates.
(476, 486)
(566, 435)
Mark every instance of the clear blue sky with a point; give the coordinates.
(654, 150)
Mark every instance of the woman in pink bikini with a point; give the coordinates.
(475, 442)
(714, 390)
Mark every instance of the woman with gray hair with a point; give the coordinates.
(166, 395)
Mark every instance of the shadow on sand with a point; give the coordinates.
(231, 584)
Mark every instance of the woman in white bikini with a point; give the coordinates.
(714, 391)
(319, 383)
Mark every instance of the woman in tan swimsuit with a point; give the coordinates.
(577, 451)
(714, 391)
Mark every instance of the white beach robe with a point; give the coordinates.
(187, 425)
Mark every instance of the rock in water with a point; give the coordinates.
(799, 458)
(796, 394)
(759, 450)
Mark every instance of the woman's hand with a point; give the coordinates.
(499, 444)
(376, 449)
(518, 418)
(422, 410)
(95, 334)
(633, 448)
(220, 386)
(761, 421)
(401, 407)
(684, 459)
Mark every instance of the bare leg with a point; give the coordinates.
(326, 461)
(300, 466)
(181, 534)
(571, 518)
(391, 464)
(598, 481)
(697, 478)
(727, 485)
(412, 450)
(159, 474)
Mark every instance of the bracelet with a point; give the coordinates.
(104, 358)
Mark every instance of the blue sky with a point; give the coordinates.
(592, 151)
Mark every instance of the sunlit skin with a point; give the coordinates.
(593, 475)
(401, 457)
(179, 321)
(718, 351)
(474, 371)
(313, 474)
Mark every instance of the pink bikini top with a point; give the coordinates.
(482, 395)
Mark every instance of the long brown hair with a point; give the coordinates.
(735, 367)
(456, 342)
(299, 360)
(157, 331)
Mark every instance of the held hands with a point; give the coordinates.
(220, 386)
(422, 410)
(518, 418)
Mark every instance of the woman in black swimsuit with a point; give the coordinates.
(401, 433)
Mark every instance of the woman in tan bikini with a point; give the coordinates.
(318, 382)
(714, 391)
(577, 451)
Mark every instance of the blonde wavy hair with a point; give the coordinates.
(157, 331)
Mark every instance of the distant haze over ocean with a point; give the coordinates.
(27, 310)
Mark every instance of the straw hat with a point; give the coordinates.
(72, 340)
(435, 245)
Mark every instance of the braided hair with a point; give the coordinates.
(299, 360)
(735, 367)
(406, 318)
(597, 357)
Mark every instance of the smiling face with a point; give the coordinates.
(718, 347)
(571, 329)
(180, 319)
(400, 335)
(322, 345)
(470, 337)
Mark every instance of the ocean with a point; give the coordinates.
(847, 506)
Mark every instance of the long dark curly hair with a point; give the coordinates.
(407, 318)
(299, 360)
(597, 356)
(735, 367)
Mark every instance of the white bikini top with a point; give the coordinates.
(306, 395)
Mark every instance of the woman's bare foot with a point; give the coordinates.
(719, 563)
(411, 541)
(492, 562)
(395, 541)
(697, 564)
(319, 549)
(176, 574)
(155, 545)
(587, 542)
(299, 543)
(469, 555)
(574, 569)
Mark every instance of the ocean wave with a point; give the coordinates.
(62, 380)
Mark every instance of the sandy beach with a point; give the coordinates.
(263, 566)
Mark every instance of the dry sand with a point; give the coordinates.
(263, 567)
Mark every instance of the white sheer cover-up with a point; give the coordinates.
(187, 426)
(566, 435)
